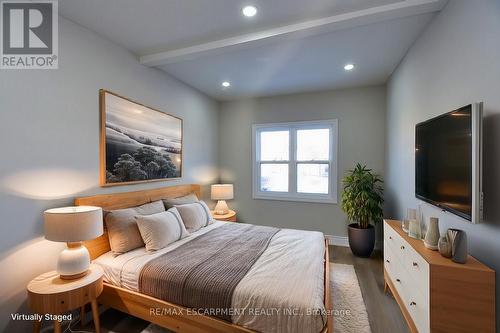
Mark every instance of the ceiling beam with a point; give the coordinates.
(297, 30)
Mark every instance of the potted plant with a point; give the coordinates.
(362, 202)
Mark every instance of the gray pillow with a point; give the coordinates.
(122, 228)
(187, 199)
(195, 215)
(159, 230)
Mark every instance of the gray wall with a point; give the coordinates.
(361, 115)
(455, 62)
(49, 130)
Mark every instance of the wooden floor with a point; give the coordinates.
(383, 312)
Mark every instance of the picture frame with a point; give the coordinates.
(138, 144)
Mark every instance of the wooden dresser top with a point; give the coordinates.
(434, 257)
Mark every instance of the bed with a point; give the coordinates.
(272, 296)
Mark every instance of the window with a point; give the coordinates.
(295, 161)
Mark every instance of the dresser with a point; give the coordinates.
(434, 293)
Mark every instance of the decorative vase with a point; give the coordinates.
(405, 225)
(444, 246)
(411, 214)
(432, 235)
(458, 239)
(415, 230)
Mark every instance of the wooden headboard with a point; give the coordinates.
(121, 200)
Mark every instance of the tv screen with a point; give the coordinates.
(444, 162)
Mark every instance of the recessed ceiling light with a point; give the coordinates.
(249, 11)
(226, 84)
(349, 67)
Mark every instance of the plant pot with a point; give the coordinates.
(361, 241)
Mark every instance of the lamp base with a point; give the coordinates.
(73, 262)
(221, 208)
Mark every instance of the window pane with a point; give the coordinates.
(274, 177)
(274, 146)
(312, 178)
(313, 144)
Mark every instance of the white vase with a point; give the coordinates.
(432, 235)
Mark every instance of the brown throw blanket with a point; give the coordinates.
(204, 272)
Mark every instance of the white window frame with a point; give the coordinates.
(292, 194)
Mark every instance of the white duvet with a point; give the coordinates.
(282, 292)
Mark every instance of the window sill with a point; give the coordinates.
(324, 200)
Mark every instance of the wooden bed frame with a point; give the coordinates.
(173, 317)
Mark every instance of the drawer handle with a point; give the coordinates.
(398, 280)
(390, 237)
(387, 261)
(415, 264)
(402, 247)
(413, 304)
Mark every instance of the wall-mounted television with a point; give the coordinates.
(448, 158)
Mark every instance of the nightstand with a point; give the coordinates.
(49, 294)
(229, 217)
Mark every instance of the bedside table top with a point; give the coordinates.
(51, 283)
(231, 213)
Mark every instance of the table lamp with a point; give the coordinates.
(73, 225)
(221, 192)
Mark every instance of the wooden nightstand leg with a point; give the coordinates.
(57, 326)
(36, 326)
(82, 315)
(95, 315)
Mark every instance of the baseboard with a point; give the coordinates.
(337, 240)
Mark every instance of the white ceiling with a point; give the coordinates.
(290, 46)
(308, 64)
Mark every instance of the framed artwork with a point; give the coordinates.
(138, 143)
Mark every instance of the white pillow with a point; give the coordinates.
(161, 229)
(195, 215)
(187, 199)
(122, 228)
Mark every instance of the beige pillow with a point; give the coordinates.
(195, 215)
(122, 228)
(187, 199)
(159, 230)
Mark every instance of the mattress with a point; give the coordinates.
(282, 292)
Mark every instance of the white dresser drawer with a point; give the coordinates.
(419, 312)
(389, 259)
(413, 300)
(414, 264)
(409, 259)
(390, 236)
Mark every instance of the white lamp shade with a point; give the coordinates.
(222, 192)
(73, 224)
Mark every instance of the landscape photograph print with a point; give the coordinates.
(138, 143)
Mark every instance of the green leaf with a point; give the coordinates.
(362, 197)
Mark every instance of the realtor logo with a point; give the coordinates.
(29, 34)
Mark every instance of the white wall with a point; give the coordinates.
(455, 62)
(361, 116)
(49, 134)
